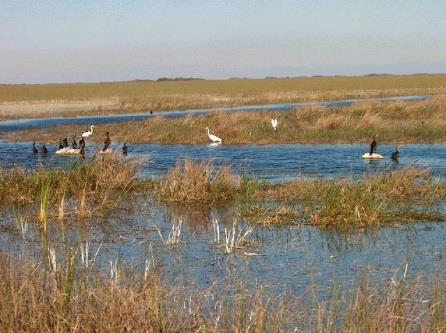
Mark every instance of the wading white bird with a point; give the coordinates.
(88, 133)
(274, 123)
(213, 137)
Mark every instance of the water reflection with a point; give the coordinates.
(290, 258)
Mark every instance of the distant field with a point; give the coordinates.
(138, 89)
(62, 100)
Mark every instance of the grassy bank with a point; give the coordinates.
(398, 123)
(19, 101)
(58, 299)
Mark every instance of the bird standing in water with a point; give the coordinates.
(124, 149)
(44, 150)
(107, 142)
(373, 145)
(34, 148)
(60, 144)
(396, 154)
(65, 142)
(74, 144)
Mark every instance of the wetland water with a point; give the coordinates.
(289, 257)
(273, 163)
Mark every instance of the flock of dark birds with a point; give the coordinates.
(79, 147)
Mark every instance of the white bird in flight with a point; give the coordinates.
(213, 137)
(88, 133)
(274, 122)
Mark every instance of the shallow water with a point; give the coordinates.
(24, 124)
(290, 258)
(274, 163)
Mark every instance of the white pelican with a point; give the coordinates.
(374, 156)
(88, 133)
(213, 137)
(68, 151)
(274, 123)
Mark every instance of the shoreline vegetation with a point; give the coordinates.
(58, 294)
(66, 291)
(396, 123)
(402, 196)
(50, 100)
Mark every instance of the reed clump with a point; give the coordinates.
(97, 182)
(405, 195)
(191, 181)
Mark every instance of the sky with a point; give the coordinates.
(114, 40)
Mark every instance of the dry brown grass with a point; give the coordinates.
(423, 122)
(31, 299)
(191, 181)
(30, 101)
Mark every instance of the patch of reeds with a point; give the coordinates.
(31, 299)
(191, 181)
(404, 195)
(96, 184)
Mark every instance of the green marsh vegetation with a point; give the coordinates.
(87, 187)
(405, 195)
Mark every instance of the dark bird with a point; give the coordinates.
(74, 144)
(60, 144)
(44, 150)
(65, 142)
(34, 148)
(373, 145)
(124, 149)
(396, 154)
(107, 142)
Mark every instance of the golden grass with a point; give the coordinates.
(190, 181)
(106, 98)
(422, 122)
(31, 299)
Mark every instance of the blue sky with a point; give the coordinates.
(110, 40)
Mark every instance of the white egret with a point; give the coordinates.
(88, 133)
(213, 137)
(274, 123)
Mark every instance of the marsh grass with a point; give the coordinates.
(399, 123)
(191, 181)
(94, 186)
(400, 196)
(33, 300)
